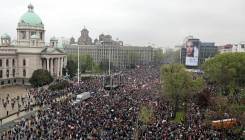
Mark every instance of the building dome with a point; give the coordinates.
(5, 36)
(34, 37)
(84, 29)
(60, 46)
(102, 34)
(30, 17)
(53, 39)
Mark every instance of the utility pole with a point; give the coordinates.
(78, 64)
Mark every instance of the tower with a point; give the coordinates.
(30, 24)
(53, 42)
(72, 40)
(5, 40)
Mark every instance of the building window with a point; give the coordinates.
(1, 62)
(13, 62)
(24, 62)
(33, 33)
(41, 35)
(7, 62)
(1, 74)
(13, 72)
(23, 34)
(24, 73)
(7, 73)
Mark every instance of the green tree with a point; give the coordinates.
(72, 70)
(40, 77)
(159, 55)
(133, 59)
(85, 61)
(104, 66)
(177, 82)
(177, 56)
(145, 116)
(226, 69)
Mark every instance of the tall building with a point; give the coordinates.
(120, 55)
(20, 59)
(201, 51)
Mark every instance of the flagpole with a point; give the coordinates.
(78, 64)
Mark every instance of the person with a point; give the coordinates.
(189, 49)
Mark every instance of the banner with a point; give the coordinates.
(192, 51)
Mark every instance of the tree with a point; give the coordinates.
(145, 114)
(177, 82)
(72, 70)
(226, 69)
(40, 77)
(159, 55)
(85, 61)
(177, 56)
(104, 66)
(133, 59)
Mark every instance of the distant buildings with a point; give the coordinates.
(105, 46)
(229, 48)
(204, 51)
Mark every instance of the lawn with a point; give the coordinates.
(179, 115)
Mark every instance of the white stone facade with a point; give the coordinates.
(17, 63)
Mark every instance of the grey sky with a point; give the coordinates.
(136, 22)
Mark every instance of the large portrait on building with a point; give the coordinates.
(192, 51)
(243, 46)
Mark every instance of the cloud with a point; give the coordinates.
(136, 22)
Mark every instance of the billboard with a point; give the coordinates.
(192, 51)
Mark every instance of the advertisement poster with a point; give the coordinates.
(192, 51)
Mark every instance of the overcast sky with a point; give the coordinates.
(135, 22)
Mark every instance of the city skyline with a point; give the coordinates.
(163, 23)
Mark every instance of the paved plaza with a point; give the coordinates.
(13, 93)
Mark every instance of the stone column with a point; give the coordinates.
(10, 68)
(65, 60)
(27, 35)
(47, 64)
(58, 67)
(51, 66)
(4, 67)
(61, 66)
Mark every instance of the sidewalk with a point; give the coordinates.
(23, 113)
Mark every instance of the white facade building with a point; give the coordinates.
(19, 60)
(240, 47)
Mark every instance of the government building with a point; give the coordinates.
(18, 60)
(105, 46)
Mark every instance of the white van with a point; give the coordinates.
(83, 96)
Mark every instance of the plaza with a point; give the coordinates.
(13, 92)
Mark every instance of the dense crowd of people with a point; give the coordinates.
(114, 114)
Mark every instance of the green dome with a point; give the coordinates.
(60, 46)
(5, 36)
(34, 37)
(14, 43)
(53, 39)
(30, 17)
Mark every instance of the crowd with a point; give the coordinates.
(114, 114)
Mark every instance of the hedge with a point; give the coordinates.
(59, 85)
